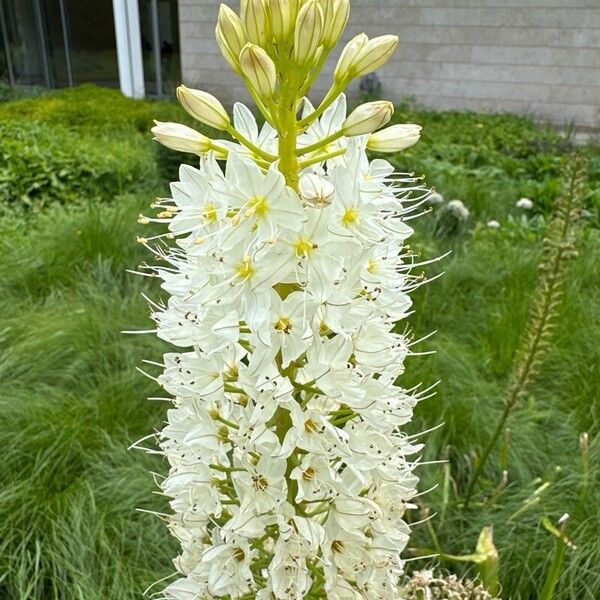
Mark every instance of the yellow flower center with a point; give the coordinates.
(257, 205)
(303, 247)
(284, 325)
(372, 266)
(310, 426)
(210, 212)
(309, 474)
(350, 217)
(245, 269)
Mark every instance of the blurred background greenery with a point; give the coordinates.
(78, 166)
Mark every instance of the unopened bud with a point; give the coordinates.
(394, 138)
(348, 57)
(363, 56)
(255, 21)
(181, 138)
(230, 36)
(204, 107)
(259, 69)
(335, 18)
(283, 17)
(368, 118)
(315, 190)
(374, 54)
(308, 32)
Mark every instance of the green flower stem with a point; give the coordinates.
(334, 91)
(321, 158)
(320, 144)
(252, 147)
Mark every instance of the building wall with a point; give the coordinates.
(534, 57)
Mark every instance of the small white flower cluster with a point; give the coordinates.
(290, 474)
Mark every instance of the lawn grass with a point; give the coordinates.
(72, 401)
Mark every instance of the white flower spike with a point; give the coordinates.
(289, 471)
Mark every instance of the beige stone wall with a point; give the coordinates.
(535, 57)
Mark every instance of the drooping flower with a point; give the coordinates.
(289, 471)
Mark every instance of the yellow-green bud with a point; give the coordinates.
(308, 32)
(255, 21)
(368, 118)
(394, 138)
(374, 54)
(204, 107)
(181, 138)
(335, 18)
(259, 69)
(230, 36)
(283, 17)
(348, 57)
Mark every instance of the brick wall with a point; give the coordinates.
(535, 57)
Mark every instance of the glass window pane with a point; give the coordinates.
(168, 44)
(24, 42)
(92, 39)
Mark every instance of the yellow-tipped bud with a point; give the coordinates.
(255, 21)
(348, 57)
(335, 18)
(283, 17)
(308, 32)
(368, 118)
(204, 107)
(181, 138)
(374, 54)
(394, 138)
(315, 190)
(259, 70)
(230, 36)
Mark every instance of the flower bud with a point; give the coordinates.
(181, 138)
(315, 190)
(259, 69)
(255, 21)
(283, 17)
(374, 54)
(348, 56)
(308, 31)
(394, 138)
(230, 36)
(204, 107)
(368, 118)
(335, 18)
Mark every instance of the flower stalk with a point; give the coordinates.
(534, 345)
(289, 471)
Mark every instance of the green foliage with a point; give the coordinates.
(490, 161)
(72, 402)
(42, 164)
(84, 144)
